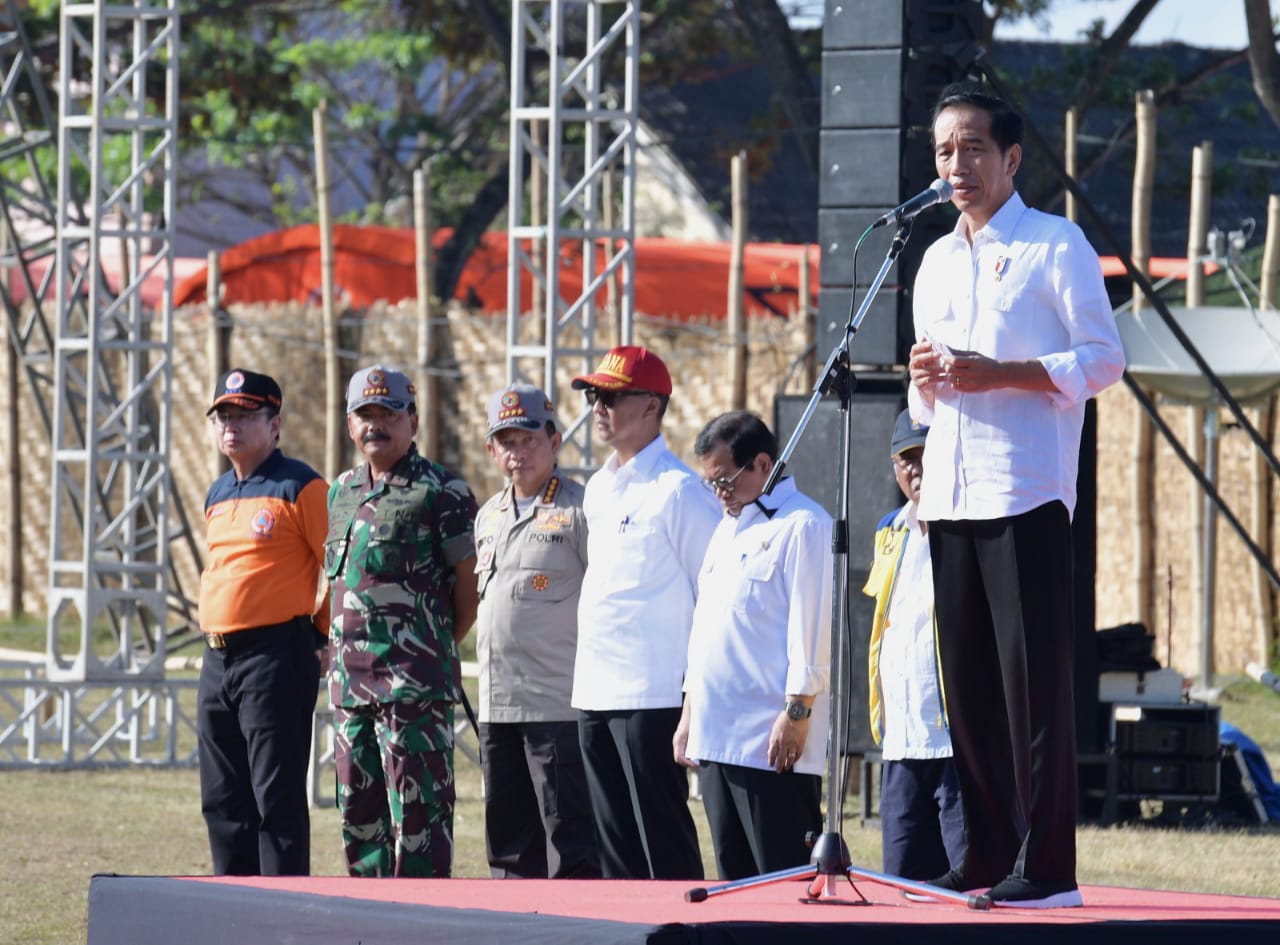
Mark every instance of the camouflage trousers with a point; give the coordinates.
(395, 787)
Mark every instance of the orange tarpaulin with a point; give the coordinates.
(1160, 268)
(674, 279)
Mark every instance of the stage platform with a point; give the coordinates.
(142, 910)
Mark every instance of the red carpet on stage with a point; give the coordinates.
(139, 910)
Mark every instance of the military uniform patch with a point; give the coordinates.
(540, 582)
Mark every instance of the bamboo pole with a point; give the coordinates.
(215, 345)
(1259, 473)
(13, 455)
(1144, 171)
(613, 285)
(537, 247)
(13, 500)
(809, 312)
(428, 391)
(1197, 248)
(1270, 279)
(333, 430)
(736, 321)
(1071, 129)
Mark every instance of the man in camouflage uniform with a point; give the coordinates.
(400, 559)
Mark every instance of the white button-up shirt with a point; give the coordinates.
(1030, 287)
(761, 631)
(914, 726)
(648, 523)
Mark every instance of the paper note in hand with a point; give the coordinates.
(941, 350)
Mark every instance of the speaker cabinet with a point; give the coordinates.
(872, 490)
(883, 64)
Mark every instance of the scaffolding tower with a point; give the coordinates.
(112, 353)
(574, 105)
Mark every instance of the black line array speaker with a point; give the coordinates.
(873, 491)
(883, 64)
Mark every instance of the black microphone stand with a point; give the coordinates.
(830, 859)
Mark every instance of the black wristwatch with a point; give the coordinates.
(796, 711)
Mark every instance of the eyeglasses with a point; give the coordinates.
(909, 460)
(228, 419)
(610, 398)
(724, 484)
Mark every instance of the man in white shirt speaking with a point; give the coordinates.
(648, 520)
(1015, 334)
(756, 708)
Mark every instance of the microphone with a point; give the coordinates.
(939, 192)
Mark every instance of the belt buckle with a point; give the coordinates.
(216, 641)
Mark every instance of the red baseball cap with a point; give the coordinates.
(628, 367)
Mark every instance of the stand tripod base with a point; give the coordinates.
(830, 860)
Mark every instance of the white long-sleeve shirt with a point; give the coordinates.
(1029, 287)
(761, 631)
(914, 726)
(648, 524)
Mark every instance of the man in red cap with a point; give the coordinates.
(266, 523)
(649, 521)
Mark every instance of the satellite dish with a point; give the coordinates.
(1241, 346)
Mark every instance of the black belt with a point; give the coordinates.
(239, 639)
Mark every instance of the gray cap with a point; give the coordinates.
(519, 406)
(906, 434)
(380, 385)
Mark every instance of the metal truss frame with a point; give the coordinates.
(575, 73)
(109, 539)
(69, 724)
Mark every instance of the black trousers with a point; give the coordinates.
(759, 818)
(537, 813)
(254, 721)
(639, 795)
(1003, 591)
(921, 819)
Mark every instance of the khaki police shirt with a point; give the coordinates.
(530, 569)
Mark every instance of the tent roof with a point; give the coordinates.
(674, 279)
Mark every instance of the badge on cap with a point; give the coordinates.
(234, 383)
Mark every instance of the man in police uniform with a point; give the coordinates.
(531, 553)
(401, 561)
(265, 526)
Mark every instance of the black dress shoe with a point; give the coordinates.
(1018, 892)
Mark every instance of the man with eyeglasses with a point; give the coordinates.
(755, 713)
(921, 820)
(531, 554)
(400, 557)
(649, 521)
(263, 618)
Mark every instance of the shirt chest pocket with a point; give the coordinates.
(335, 555)
(756, 584)
(395, 546)
(548, 568)
(1009, 289)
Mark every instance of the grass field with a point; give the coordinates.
(62, 827)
